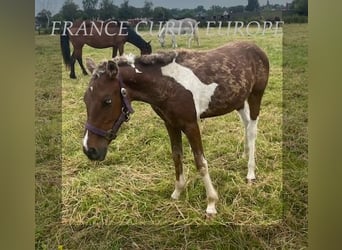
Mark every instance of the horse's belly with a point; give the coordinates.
(225, 101)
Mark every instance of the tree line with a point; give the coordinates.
(106, 9)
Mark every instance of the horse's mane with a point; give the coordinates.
(163, 57)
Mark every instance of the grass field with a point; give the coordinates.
(124, 201)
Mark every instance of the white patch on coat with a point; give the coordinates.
(201, 92)
(85, 141)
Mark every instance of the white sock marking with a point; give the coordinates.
(210, 190)
(245, 118)
(179, 187)
(251, 137)
(201, 92)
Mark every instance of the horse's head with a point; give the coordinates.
(146, 49)
(105, 100)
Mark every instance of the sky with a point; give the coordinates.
(55, 5)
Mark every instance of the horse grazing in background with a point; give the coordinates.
(182, 88)
(98, 34)
(174, 27)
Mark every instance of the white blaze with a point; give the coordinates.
(201, 92)
(85, 140)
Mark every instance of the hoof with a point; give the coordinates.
(85, 73)
(174, 196)
(72, 76)
(251, 181)
(209, 216)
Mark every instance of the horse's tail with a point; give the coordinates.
(65, 47)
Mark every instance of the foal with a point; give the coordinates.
(182, 87)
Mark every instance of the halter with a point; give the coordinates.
(126, 111)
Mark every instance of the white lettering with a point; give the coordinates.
(82, 28)
(123, 28)
(67, 26)
(247, 28)
(106, 28)
(238, 28)
(208, 25)
(137, 26)
(269, 24)
(54, 27)
(277, 26)
(93, 26)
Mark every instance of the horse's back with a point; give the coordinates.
(237, 68)
(232, 60)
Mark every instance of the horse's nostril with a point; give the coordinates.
(92, 151)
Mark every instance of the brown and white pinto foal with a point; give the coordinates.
(182, 87)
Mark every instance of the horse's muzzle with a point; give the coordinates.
(95, 154)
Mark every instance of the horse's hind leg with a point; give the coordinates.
(254, 101)
(72, 66)
(78, 56)
(245, 118)
(80, 62)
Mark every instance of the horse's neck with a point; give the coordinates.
(142, 88)
(135, 39)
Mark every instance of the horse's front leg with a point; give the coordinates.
(174, 42)
(115, 51)
(121, 49)
(175, 135)
(190, 41)
(193, 134)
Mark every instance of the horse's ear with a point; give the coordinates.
(112, 68)
(90, 64)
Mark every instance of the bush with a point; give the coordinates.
(295, 19)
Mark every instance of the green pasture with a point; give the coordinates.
(124, 201)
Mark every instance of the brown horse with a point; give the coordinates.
(182, 87)
(98, 34)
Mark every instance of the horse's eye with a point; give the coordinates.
(107, 101)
